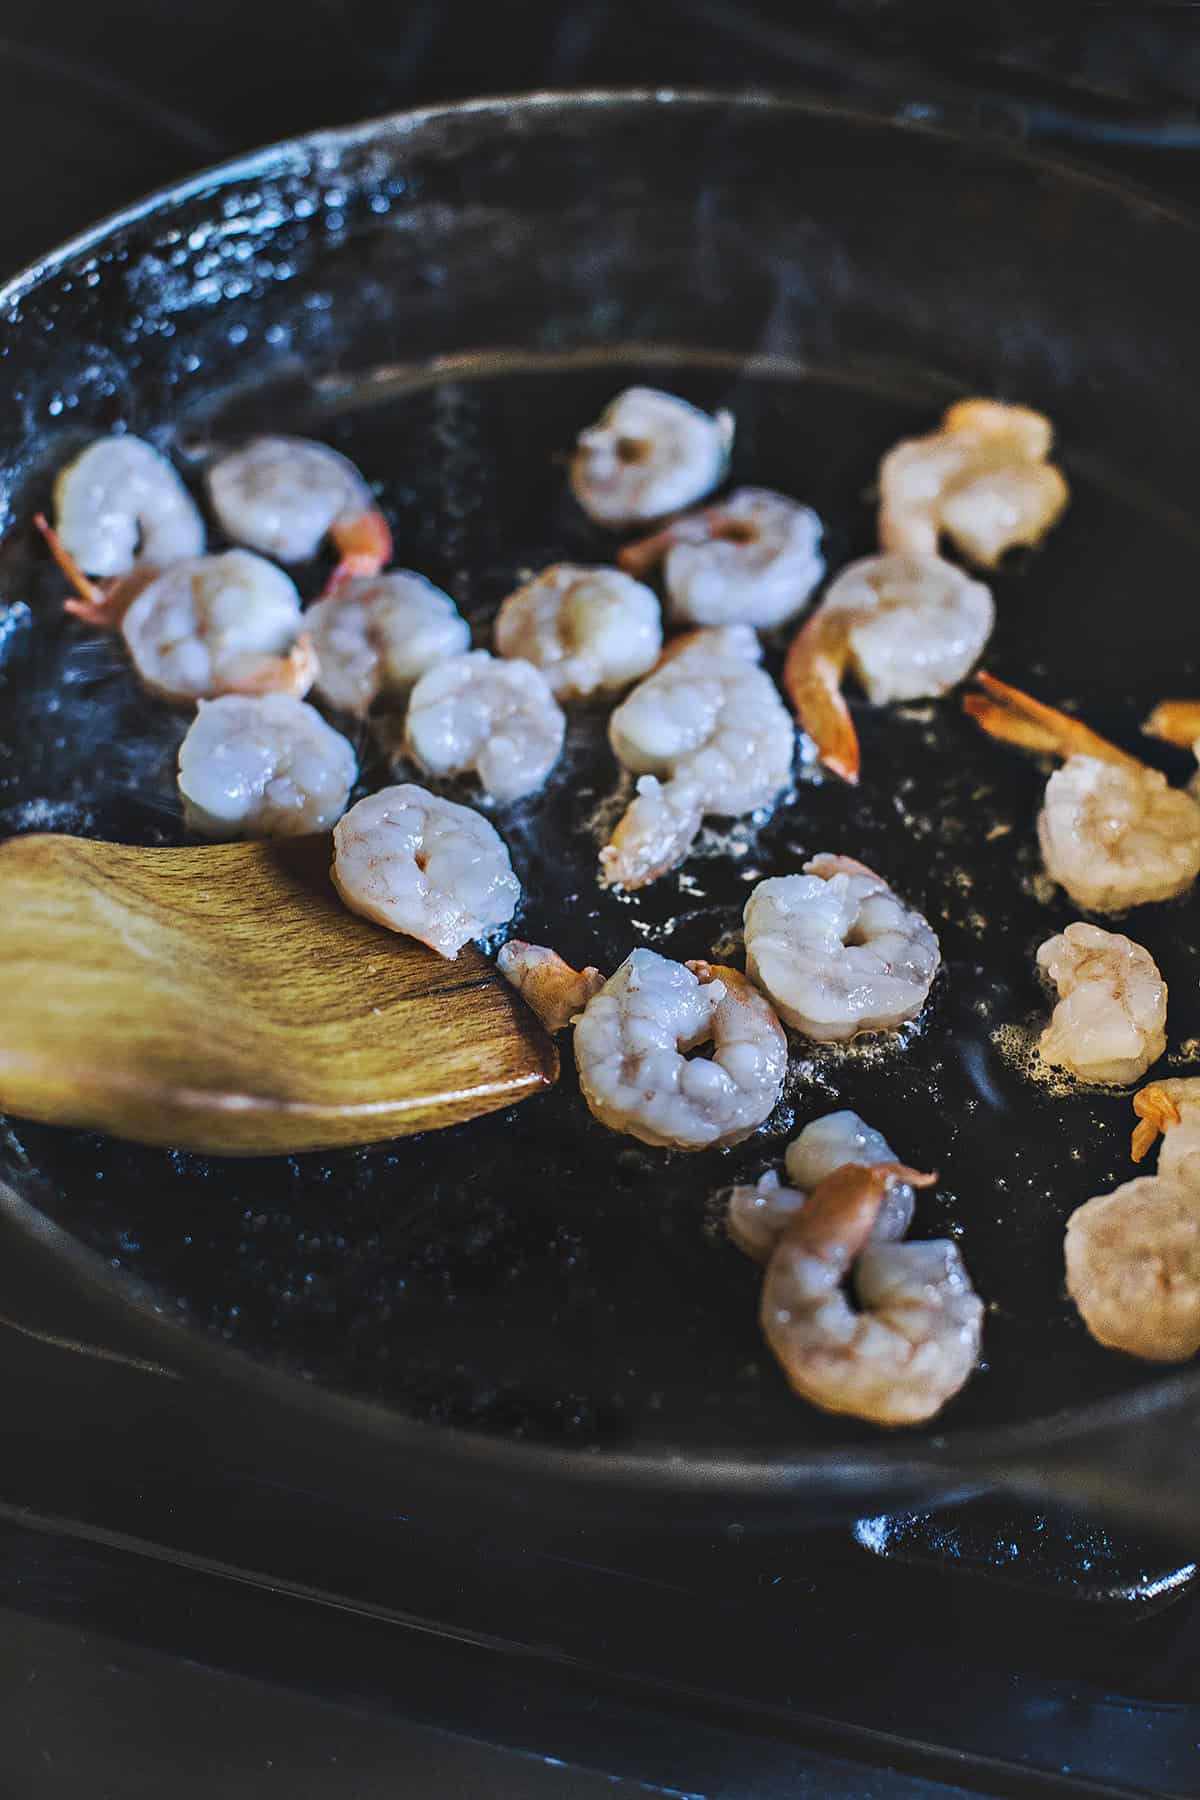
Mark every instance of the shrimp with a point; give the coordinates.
(752, 559)
(983, 479)
(648, 454)
(909, 626)
(632, 1044)
(837, 952)
(757, 1216)
(556, 992)
(263, 766)
(588, 630)
(227, 624)
(710, 723)
(1172, 1108)
(1113, 833)
(282, 495)
(425, 867)
(1110, 1021)
(917, 1338)
(496, 718)
(377, 635)
(120, 502)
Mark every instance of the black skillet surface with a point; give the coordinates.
(833, 280)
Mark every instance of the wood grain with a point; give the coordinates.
(222, 999)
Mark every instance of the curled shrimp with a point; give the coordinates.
(983, 479)
(119, 502)
(916, 1339)
(557, 993)
(1113, 832)
(283, 495)
(589, 631)
(758, 1215)
(488, 715)
(648, 454)
(263, 766)
(632, 1052)
(909, 626)
(752, 559)
(1110, 1021)
(377, 635)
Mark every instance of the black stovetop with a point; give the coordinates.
(172, 1624)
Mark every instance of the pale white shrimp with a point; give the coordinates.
(588, 630)
(557, 993)
(758, 1215)
(648, 454)
(837, 952)
(1110, 1021)
(378, 634)
(1113, 833)
(219, 625)
(480, 714)
(708, 733)
(283, 495)
(263, 765)
(909, 627)
(425, 867)
(120, 502)
(917, 1337)
(632, 1044)
(752, 559)
(984, 479)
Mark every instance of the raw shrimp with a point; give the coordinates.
(588, 630)
(556, 992)
(425, 867)
(378, 634)
(120, 502)
(282, 495)
(648, 454)
(837, 952)
(708, 721)
(227, 624)
(983, 479)
(260, 766)
(908, 626)
(917, 1338)
(632, 1044)
(757, 1216)
(1113, 833)
(752, 559)
(1110, 1021)
(495, 718)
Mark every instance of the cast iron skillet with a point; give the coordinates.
(526, 1304)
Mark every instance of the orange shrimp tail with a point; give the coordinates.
(812, 681)
(364, 547)
(102, 606)
(646, 553)
(1017, 718)
(1156, 1112)
(1176, 722)
(291, 674)
(842, 1209)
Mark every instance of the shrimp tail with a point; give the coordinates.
(1175, 722)
(1014, 717)
(656, 832)
(102, 605)
(840, 1212)
(1156, 1112)
(291, 674)
(364, 547)
(646, 553)
(812, 679)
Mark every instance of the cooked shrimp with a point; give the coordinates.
(556, 992)
(837, 952)
(496, 719)
(378, 634)
(917, 1338)
(227, 624)
(752, 559)
(120, 502)
(708, 722)
(632, 1044)
(1133, 1268)
(1110, 1021)
(983, 479)
(282, 495)
(648, 454)
(1113, 833)
(263, 766)
(757, 1216)
(588, 630)
(1171, 1107)
(908, 626)
(425, 867)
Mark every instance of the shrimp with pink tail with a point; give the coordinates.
(282, 496)
(909, 627)
(1113, 832)
(914, 1338)
(984, 480)
(752, 559)
(557, 993)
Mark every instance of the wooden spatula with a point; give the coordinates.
(223, 999)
